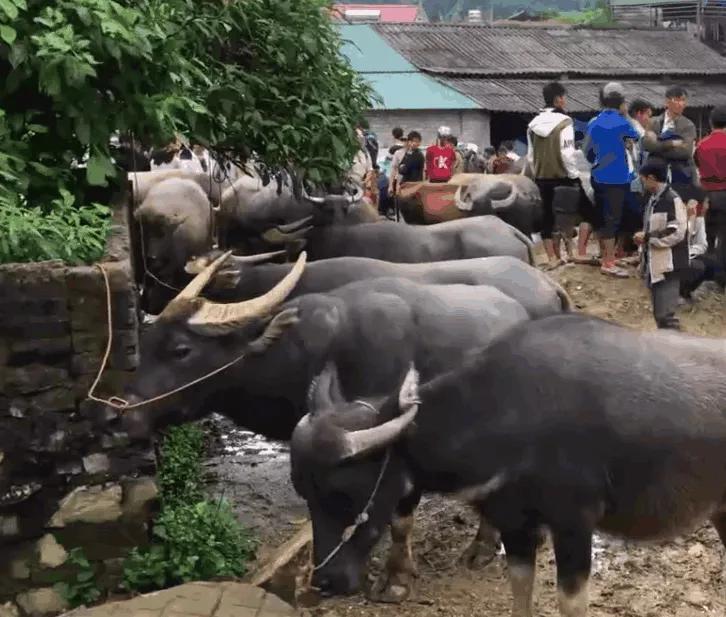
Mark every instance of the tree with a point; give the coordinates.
(262, 76)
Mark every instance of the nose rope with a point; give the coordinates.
(361, 519)
(119, 403)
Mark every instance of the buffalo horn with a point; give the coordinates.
(196, 265)
(357, 196)
(215, 318)
(199, 282)
(275, 236)
(359, 443)
(295, 225)
(507, 202)
(315, 200)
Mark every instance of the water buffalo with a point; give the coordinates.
(513, 198)
(624, 434)
(536, 291)
(271, 349)
(255, 206)
(478, 236)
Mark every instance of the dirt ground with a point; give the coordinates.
(672, 579)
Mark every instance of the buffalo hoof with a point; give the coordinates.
(392, 588)
(479, 554)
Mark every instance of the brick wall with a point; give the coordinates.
(63, 482)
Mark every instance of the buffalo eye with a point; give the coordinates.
(181, 352)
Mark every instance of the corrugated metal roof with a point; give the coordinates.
(416, 91)
(398, 82)
(369, 52)
(525, 96)
(458, 49)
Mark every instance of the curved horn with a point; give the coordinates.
(196, 265)
(460, 203)
(198, 283)
(217, 319)
(507, 202)
(295, 225)
(315, 200)
(359, 443)
(275, 236)
(357, 196)
(324, 391)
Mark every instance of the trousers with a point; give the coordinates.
(664, 295)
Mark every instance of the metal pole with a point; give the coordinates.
(699, 19)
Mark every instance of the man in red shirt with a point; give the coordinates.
(440, 159)
(710, 157)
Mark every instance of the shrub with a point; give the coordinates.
(192, 538)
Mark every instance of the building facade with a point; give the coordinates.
(503, 70)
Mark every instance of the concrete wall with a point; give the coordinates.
(63, 482)
(468, 125)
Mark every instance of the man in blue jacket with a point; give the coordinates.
(606, 143)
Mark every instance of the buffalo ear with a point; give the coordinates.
(274, 330)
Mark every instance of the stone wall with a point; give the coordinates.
(63, 482)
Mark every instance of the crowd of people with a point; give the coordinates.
(656, 195)
(659, 196)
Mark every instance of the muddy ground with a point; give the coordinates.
(672, 579)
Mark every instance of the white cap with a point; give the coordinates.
(444, 131)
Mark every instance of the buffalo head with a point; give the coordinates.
(193, 338)
(343, 465)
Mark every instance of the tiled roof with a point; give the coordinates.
(525, 96)
(461, 50)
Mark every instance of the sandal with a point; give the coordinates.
(633, 260)
(614, 271)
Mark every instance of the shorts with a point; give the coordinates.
(610, 201)
(547, 193)
(687, 192)
(632, 220)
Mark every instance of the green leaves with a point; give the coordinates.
(99, 168)
(193, 538)
(8, 34)
(253, 76)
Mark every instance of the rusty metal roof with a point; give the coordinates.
(465, 49)
(525, 95)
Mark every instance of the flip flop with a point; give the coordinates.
(614, 271)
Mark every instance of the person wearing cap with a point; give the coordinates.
(440, 158)
(711, 159)
(606, 143)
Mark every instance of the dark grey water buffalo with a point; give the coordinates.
(372, 330)
(513, 198)
(255, 206)
(536, 291)
(479, 236)
(624, 434)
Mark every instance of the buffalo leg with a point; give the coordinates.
(573, 555)
(395, 583)
(483, 548)
(521, 548)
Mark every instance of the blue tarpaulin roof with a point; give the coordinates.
(399, 84)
